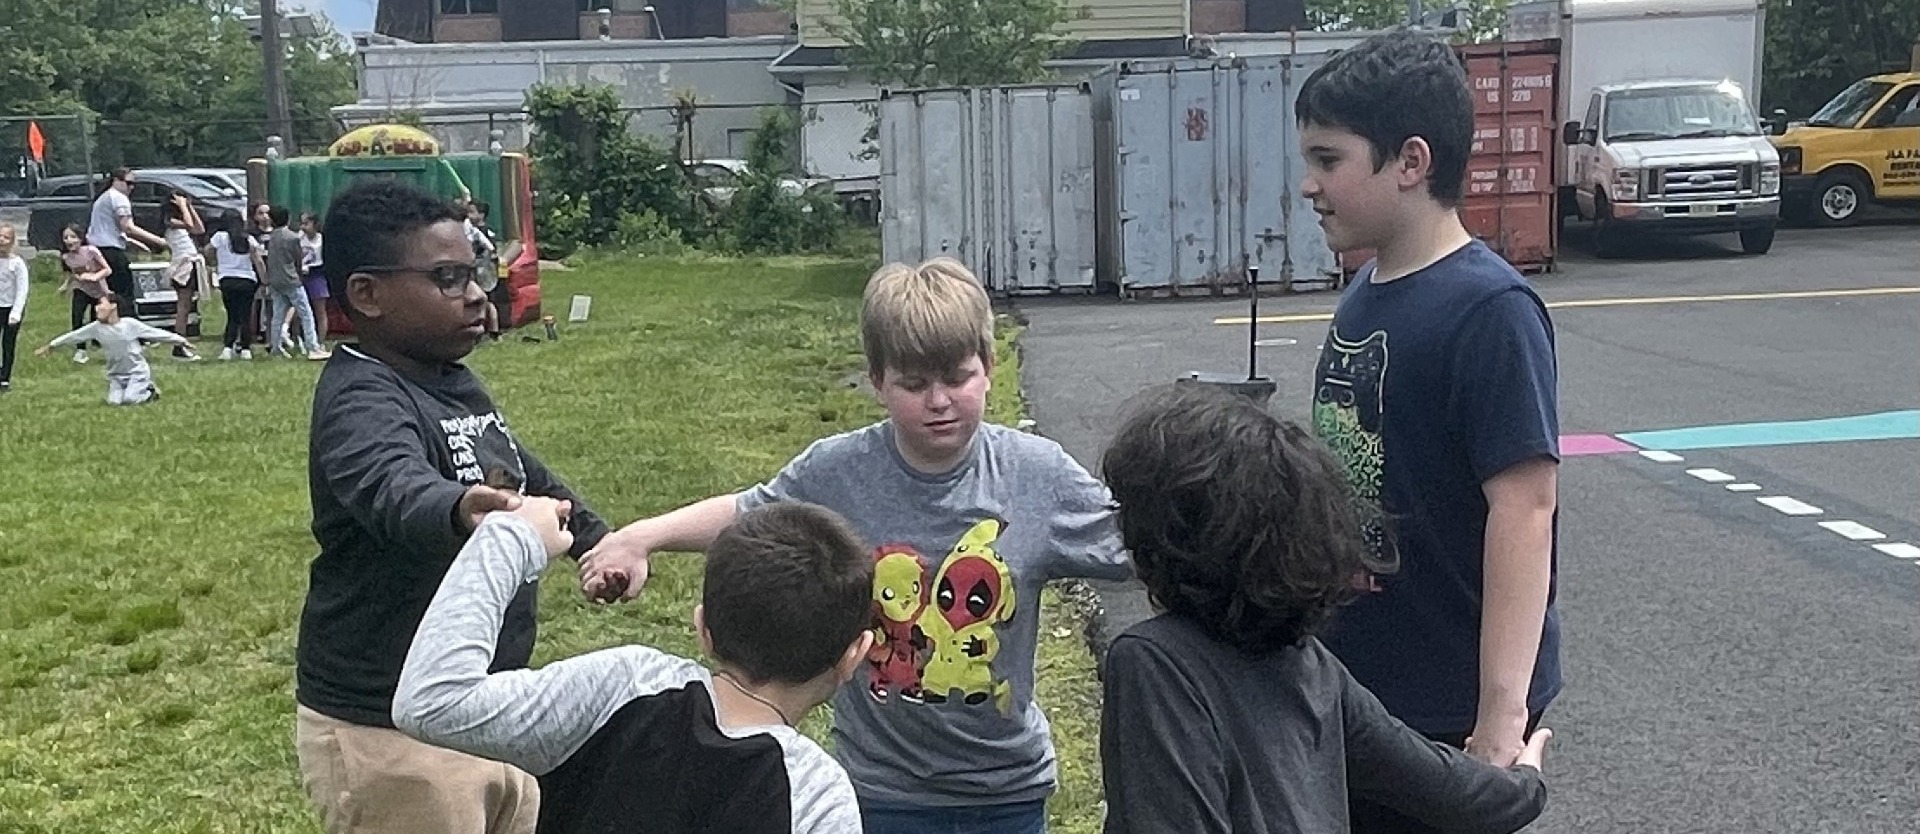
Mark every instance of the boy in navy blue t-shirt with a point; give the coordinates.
(1436, 387)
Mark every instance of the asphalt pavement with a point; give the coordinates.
(1730, 667)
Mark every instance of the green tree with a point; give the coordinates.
(923, 43)
(1815, 48)
(163, 81)
(590, 169)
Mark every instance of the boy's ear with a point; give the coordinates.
(1414, 165)
(363, 295)
(856, 653)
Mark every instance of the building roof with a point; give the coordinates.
(804, 58)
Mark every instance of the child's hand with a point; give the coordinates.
(549, 518)
(14, 320)
(480, 500)
(615, 569)
(1534, 755)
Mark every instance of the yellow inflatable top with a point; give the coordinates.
(385, 140)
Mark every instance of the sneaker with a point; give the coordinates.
(186, 355)
(246, 354)
(5, 387)
(80, 357)
(226, 354)
(318, 355)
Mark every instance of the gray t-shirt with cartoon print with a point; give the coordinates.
(942, 714)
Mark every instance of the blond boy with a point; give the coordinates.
(940, 729)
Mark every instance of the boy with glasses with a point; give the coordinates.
(407, 454)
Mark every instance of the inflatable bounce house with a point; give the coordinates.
(503, 181)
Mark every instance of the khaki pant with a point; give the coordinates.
(374, 780)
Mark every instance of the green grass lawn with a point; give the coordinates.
(153, 559)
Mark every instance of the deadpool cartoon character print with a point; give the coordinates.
(935, 642)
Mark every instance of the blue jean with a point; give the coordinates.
(281, 299)
(1022, 818)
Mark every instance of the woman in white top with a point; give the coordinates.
(238, 263)
(185, 267)
(313, 276)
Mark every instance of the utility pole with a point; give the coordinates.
(279, 113)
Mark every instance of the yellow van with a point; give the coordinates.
(1862, 147)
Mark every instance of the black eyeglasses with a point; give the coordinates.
(451, 279)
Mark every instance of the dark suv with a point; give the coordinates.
(58, 201)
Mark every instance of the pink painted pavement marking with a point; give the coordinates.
(1572, 445)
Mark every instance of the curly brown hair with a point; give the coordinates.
(1237, 520)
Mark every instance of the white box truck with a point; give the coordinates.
(1657, 111)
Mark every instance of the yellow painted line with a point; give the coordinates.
(1628, 301)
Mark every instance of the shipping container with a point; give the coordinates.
(1199, 176)
(998, 177)
(1510, 200)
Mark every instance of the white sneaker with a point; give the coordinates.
(80, 357)
(226, 353)
(246, 354)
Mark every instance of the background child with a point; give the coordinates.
(13, 303)
(238, 265)
(86, 270)
(313, 276)
(981, 515)
(1437, 388)
(285, 290)
(185, 266)
(407, 453)
(630, 738)
(129, 379)
(1224, 714)
(486, 259)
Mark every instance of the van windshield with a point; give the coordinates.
(1678, 113)
(1846, 109)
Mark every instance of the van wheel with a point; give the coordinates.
(1606, 233)
(1838, 198)
(1756, 241)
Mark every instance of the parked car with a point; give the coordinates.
(229, 181)
(719, 180)
(1862, 147)
(58, 201)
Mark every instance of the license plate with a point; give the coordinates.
(1703, 210)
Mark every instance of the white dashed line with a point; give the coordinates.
(1853, 530)
(1899, 550)
(1743, 487)
(1712, 476)
(1789, 505)
(1661, 457)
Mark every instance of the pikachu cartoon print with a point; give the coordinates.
(899, 600)
(972, 594)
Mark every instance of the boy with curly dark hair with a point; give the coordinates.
(1224, 713)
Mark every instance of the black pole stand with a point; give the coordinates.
(1259, 388)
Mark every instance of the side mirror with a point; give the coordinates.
(1570, 133)
(1778, 125)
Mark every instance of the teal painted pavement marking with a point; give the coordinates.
(1890, 425)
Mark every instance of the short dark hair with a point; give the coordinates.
(1237, 520)
(1390, 88)
(789, 586)
(278, 216)
(368, 224)
(480, 206)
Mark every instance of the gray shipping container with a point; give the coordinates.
(999, 177)
(1199, 176)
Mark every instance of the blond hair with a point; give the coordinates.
(925, 319)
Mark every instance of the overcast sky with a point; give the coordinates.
(348, 16)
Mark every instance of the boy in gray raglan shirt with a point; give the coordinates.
(968, 522)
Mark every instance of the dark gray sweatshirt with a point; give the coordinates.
(1197, 737)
